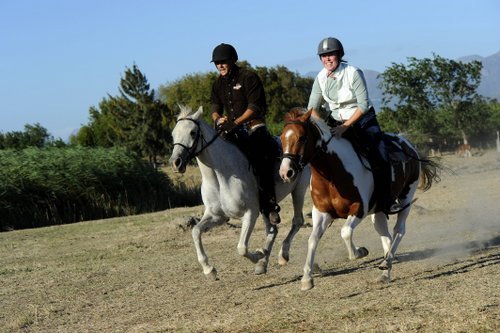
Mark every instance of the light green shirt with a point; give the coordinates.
(340, 93)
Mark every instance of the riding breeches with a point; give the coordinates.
(368, 136)
(262, 153)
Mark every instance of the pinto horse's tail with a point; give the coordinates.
(430, 172)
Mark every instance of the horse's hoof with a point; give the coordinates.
(306, 285)
(385, 265)
(362, 252)
(283, 259)
(260, 268)
(383, 279)
(212, 275)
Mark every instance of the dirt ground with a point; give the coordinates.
(140, 273)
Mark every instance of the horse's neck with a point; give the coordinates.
(335, 150)
(220, 154)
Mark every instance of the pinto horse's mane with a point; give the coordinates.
(294, 113)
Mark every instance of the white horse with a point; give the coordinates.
(229, 189)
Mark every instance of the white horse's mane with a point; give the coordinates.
(186, 111)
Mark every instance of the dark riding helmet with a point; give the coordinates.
(224, 52)
(330, 44)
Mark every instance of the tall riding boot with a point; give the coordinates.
(267, 199)
(383, 181)
(263, 156)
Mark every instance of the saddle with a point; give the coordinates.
(240, 138)
(391, 149)
(396, 151)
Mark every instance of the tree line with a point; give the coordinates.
(431, 100)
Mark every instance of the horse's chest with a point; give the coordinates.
(339, 200)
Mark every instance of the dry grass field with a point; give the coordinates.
(140, 273)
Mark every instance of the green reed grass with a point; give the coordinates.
(40, 187)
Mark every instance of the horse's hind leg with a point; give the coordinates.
(271, 233)
(297, 223)
(206, 222)
(247, 225)
(346, 233)
(398, 233)
(380, 223)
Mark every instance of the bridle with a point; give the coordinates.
(297, 160)
(192, 153)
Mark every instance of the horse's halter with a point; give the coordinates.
(297, 160)
(191, 150)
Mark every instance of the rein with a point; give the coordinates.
(191, 150)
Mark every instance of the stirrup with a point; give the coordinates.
(396, 207)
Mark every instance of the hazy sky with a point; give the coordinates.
(58, 58)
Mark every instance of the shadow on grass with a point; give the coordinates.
(473, 246)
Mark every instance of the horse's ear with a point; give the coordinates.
(197, 114)
(307, 115)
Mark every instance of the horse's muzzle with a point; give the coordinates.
(287, 171)
(178, 164)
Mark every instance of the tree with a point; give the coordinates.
(33, 136)
(192, 90)
(429, 93)
(135, 119)
(142, 119)
(101, 131)
(283, 88)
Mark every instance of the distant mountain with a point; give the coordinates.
(489, 87)
(490, 76)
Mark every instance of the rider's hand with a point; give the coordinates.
(226, 127)
(338, 131)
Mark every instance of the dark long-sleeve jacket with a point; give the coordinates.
(242, 89)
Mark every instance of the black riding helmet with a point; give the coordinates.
(330, 44)
(224, 52)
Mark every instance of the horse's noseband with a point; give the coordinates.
(297, 161)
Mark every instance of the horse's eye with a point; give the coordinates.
(302, 139)
(193, 134)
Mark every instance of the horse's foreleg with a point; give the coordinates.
(320, 223)
(271, 233)
(247, 225)
(297, 223)
(346, 234)
(205, 224)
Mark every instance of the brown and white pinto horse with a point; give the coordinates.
(342, 185)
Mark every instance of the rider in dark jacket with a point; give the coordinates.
(238, 111)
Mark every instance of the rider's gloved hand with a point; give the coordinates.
(227, 127)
